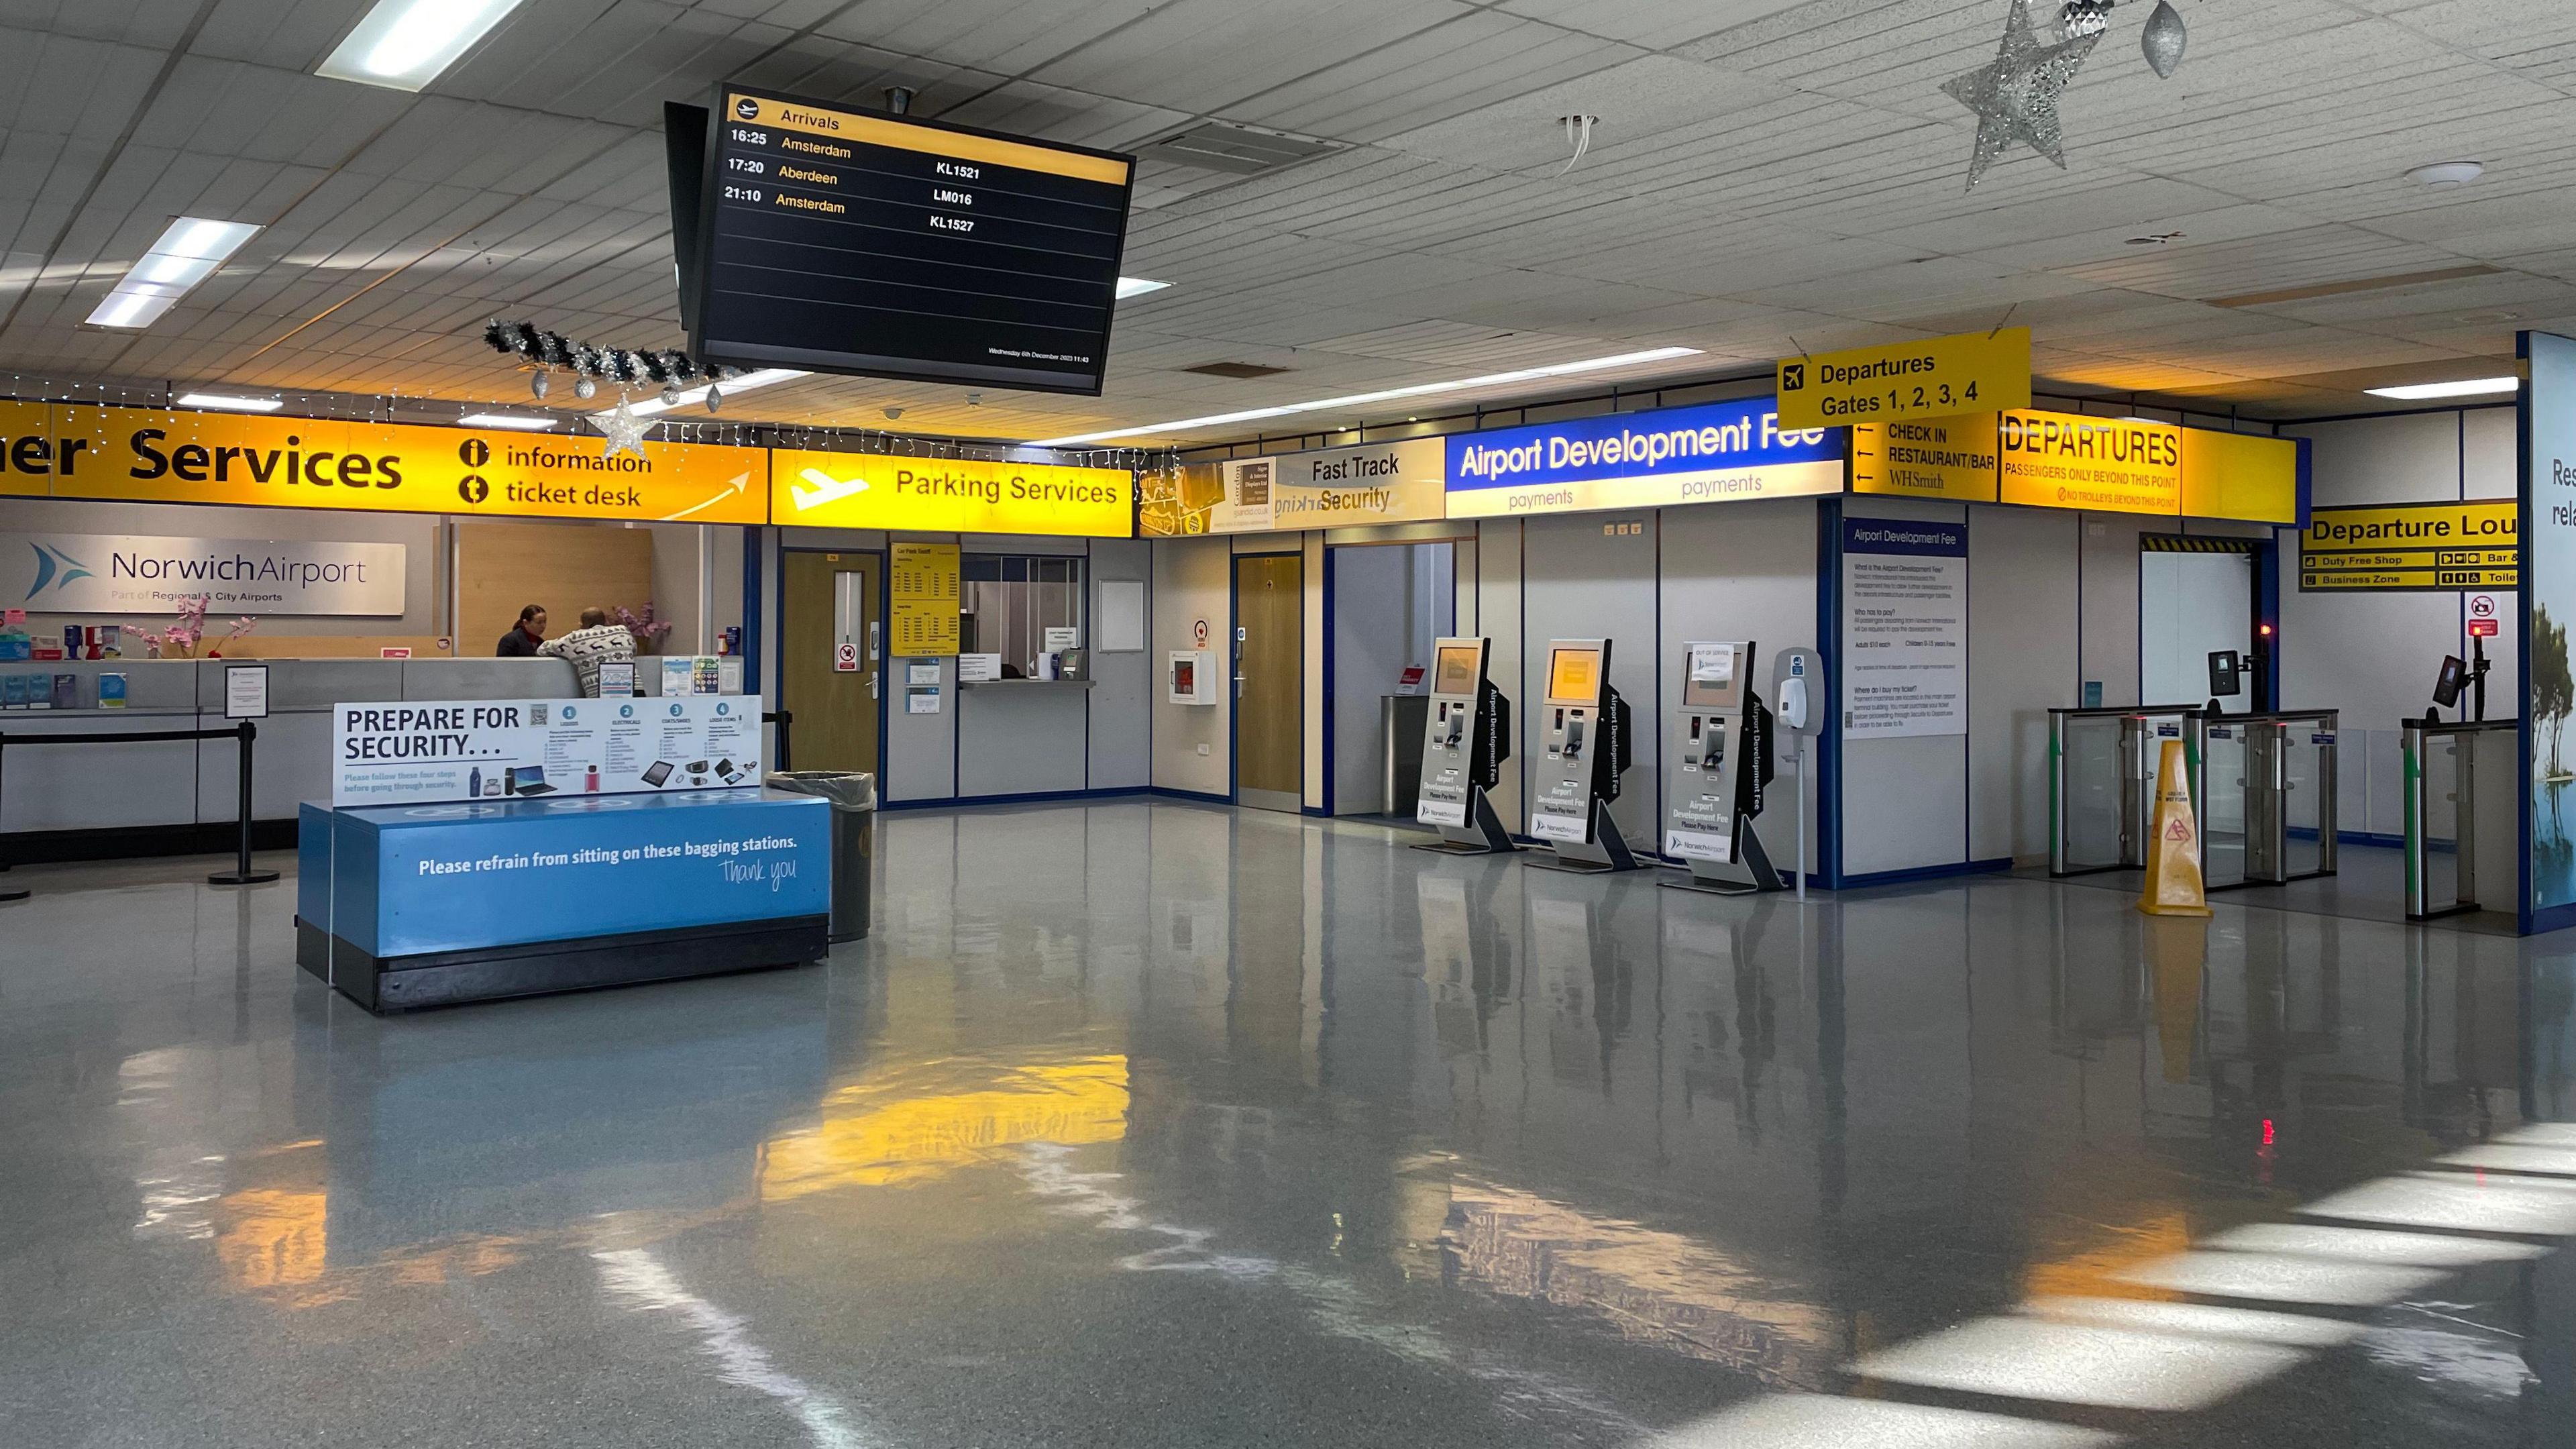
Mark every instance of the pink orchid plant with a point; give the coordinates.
(179, 641)
(649, 631)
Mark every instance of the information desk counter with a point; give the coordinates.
(404, 906)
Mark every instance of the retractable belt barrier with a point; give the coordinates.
(245, 732)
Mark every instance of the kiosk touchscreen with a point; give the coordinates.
(1467, 739)
(1720, 762)
(1585, 724)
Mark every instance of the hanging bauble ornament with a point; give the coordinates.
(2079, 18)
(671, 396)
(585, 388)
(539, 382)
(2163, 39)
(715, 397)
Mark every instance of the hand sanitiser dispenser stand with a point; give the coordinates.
(1720, 762)
(1587, 751)
(1468, 737)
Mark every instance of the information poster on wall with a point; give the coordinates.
(924, 591)
(2549, 605)
(1905, 628)
(410, 753)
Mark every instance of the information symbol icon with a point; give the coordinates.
(474, 489)
(476, 452)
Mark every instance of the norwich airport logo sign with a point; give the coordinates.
(153, 575)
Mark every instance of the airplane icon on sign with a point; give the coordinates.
(826, 489)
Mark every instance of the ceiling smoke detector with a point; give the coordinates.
(2447, 173)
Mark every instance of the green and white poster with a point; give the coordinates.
(2549, 609)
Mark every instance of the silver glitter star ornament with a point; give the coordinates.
(2015, 97)
(624, 430)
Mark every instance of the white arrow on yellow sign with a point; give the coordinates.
(1971, 373)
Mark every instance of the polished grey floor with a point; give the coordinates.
(1162, 1125)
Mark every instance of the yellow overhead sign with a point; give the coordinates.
(164, 457)
(1972, 372)
(2106, 465)
(949, 495)
(2237, 475)
(1946, 458)
(2475, 544)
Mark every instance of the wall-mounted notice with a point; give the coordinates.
(923, 584)
(406, 753)
(144, 574)
(1905, 628)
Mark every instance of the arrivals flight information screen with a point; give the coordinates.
(844, 241)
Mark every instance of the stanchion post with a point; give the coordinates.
(8, 895)
(241, 873)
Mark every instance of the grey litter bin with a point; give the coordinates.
(853, 794)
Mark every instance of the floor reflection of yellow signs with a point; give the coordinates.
(913, 1127)
(923, 588)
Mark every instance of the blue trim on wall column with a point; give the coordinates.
(2267, 610)
(2525, 918)
(1829, 740)
(1331, 720)
(753, 541)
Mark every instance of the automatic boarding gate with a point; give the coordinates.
(2463, 816)
(2102, 782)
(2267, 797)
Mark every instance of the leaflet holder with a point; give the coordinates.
(1587, 752)
(1466, 738)
(1721, 760)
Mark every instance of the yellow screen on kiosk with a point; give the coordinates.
(1574, 675)
(1456, 673)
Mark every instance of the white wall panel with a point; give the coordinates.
(1593, 576)
(1743, 571)
(2022, 662)
(2108, 610)
(1193, 582)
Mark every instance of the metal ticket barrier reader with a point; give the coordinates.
(1720, 762)
(1466, 738)
(1587, 751)
(2463, 816)
(2269, 786)
(2102, 782)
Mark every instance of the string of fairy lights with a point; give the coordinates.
(449, 411)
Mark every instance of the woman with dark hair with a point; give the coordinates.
(524, 636)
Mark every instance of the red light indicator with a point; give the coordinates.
(2264, 629)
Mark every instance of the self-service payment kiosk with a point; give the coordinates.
(1586, 728)
(1467, 739)
(1720, 762)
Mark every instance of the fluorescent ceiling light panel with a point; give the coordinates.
(404, 44)
(1137, 287)
(1362, 399)
(230, 403)
(766, 377)
(2467, 387)
(506, 420)
(189, 251)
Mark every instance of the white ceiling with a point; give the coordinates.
(1767, 176)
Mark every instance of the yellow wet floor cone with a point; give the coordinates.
(2173, 863)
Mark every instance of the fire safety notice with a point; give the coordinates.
(1905, 628)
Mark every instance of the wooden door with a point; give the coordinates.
(1270, 681)
(836, 709)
